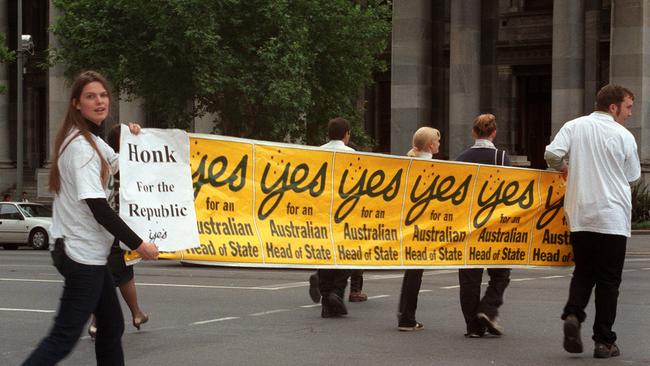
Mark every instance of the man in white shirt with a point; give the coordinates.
(328, 285)
(602, 161)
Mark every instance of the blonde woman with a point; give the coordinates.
(426, 142)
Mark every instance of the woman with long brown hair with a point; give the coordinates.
(84, 225)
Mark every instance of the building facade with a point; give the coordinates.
(535, 64)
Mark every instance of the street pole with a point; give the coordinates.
(19, 104)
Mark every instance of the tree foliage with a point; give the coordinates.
(6, 56)
(267, 69)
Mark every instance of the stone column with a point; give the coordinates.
(57, 99)
(410, 72)
(7, 168)
(630, 65)
(439, 79)
(592, 52)
(567, 90)
(464, 72)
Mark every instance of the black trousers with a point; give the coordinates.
(356, 280)
(333, 280)
(86, 290)
(599, 260)
(408, 298)
(470, 294)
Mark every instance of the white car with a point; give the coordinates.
(25, 223)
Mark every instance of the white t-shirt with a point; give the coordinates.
(603, 160)
(86, 241)
(337, 145)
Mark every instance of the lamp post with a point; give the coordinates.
(23, 46)
(19, 100)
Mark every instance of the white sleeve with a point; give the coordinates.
(632, 166)
(86, 171)
(561, 144)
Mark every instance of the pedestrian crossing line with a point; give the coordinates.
(27, 310)
(377, 297)
(550, 277)
(645, 269)
(522, 279)
(215, 320)
(269, 312)
(310, 306)
(449, 287)
(629, 270)
(422, 291)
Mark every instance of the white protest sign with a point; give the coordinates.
(156, 194)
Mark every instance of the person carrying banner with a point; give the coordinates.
(122, 273)
(356, 275)
(481, 313)
(602, 162)
(426, 143)
(84, 226)
(332, 282)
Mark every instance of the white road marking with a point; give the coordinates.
(215, 320)
(550, 277)
(30, 280)
(377, 297)
(421, 291)
(310, 306)
(522, 279)
(28, 310)
(450, 287)
(269, 312)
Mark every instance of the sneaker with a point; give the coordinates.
(357, 296)
(602, 350)
(474, 334)
(492, 325)
(572, 341)
(314, 292)
(410, 327)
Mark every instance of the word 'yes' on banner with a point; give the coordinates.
(264, 204)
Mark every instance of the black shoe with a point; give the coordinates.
(314, 292)
(410, 327)
(602, 350)
(492, 325)
(333, 306)
(572, 341)
(474, 334)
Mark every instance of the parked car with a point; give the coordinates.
(25, 223)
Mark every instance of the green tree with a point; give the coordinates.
(6, 56)
(268, 69)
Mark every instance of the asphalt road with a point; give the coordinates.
(231, 316)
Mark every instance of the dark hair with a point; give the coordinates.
(484, 125)
(6, 197)
(74, 119)
(337, 128)
(113, 137)
(611, 94)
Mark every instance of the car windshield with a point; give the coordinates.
(32, 210)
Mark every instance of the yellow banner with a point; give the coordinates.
(267, 204)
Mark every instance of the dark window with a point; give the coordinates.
(35, 210)
(9, 212)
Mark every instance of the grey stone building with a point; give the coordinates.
(533, 63)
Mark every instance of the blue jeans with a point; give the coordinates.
(86, 290)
